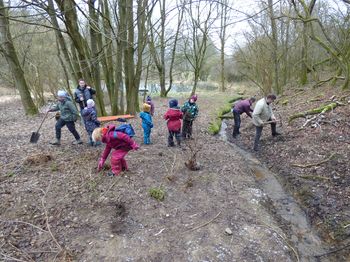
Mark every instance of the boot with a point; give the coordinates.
(57, 142)
(110, 174)
(276, 134)
(77, 142)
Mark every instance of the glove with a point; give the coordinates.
(57, 115)
(100, 164)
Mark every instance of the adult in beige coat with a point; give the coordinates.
(262, 115)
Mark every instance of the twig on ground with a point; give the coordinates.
(333, 251)
(159, 232)
(314, 177)
(284, 239)
(105, 192)
(315, 164)
(203, 225)
(47, 222)
(26, 255)
(22, 222)
(4, 256)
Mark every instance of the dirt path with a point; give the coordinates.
(61, 208)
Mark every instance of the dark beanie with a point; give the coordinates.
(173, 103)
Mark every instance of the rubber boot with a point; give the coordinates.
(57, 142)
(77, 142)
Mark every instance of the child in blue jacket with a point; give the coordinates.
(147, 124)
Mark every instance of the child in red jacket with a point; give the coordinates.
(120, 142)
(173, 116)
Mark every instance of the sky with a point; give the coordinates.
(240, 24)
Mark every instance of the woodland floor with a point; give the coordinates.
(55, 206)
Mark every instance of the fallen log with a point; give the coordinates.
(113, 118)
(226, 117)
(319, 110)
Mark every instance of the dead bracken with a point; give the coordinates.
(38, 159)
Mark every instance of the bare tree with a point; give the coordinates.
(158, 44)
(8, 50)
(199, 21)
(224, 8)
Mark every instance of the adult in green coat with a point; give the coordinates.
(68, 115)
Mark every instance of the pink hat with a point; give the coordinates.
(194, 97)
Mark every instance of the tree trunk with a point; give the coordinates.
(9, 51)
(68, 9)
(119, 58)
(62, 43)
(304, 56)
(129, 63)
(107, 54)
(223, 21)
(95, 66)
(274, 39)
(173, 51)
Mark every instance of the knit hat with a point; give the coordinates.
(90, 103)
(194, 97)
(62, 93)
(173, 103)
(146, 108)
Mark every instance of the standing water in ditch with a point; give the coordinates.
(283, 207)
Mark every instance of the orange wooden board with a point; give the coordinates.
(113, 118)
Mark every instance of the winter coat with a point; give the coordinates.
(67, 109)
(86, 93)
(90, 119)
(146, 120)
(190, 111)
(243, 106)
(116, 140)
(262, 112)
(174, 116)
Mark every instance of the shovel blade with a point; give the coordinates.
(34, 137)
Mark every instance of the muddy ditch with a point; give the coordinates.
(290, 216)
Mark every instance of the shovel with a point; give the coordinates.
(35, 135)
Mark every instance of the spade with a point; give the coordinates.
(35, 135)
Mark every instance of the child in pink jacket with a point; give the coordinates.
(120, 142)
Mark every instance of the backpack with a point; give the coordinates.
(126, 129)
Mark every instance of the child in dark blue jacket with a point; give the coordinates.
(90, 119)
(147, 124)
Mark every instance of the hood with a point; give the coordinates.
(108, 133)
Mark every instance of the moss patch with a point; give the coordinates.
(157, 193)
(215, 125)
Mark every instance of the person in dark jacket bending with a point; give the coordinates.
(243, 106)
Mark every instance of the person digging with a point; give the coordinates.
(243, 106)
(263, 115)
(68, 115)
